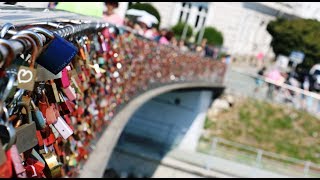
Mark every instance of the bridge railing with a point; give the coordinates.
(283, 93)
(259, 158)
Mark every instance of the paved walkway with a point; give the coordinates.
(195, 163)
(223, 166)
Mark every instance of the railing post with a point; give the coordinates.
(259, 157)
(214, 145)
(306, 168)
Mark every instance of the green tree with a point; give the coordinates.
(178, 30)
(296, 35)
(149, 8)
(213, 36)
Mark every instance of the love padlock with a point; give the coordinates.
(57, 54)
(26, 75)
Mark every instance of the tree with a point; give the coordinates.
(296, 35)
(178, 30)
(213, 36)
(149, 8)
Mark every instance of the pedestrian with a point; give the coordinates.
(162, 33)
(110, 16)
(306, 100)
(167, 38)
(259, 79)
(182, 46)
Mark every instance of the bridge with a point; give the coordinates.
(135, 99)
(120, 76)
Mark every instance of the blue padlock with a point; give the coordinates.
(57, 54)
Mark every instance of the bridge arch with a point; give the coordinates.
(99, 157)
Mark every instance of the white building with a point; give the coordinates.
(243, 24)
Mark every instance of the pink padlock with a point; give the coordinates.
(70, 93)
(64, 82)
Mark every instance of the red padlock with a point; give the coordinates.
(6, 168)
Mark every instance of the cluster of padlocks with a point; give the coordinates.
(62, 83)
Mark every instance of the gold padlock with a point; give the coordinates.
(53, 166)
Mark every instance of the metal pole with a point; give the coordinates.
(202, 31)
(214, 145)
(259, 158)
(306, 169)
(201, 35)
(185, 30)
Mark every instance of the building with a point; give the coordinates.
(243, 24)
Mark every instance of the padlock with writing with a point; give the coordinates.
(52, 58)
(26, 75)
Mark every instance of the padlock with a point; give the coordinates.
(52, 58)
(54, 131)
(12, 72)
(27, 100)
(65, 106)
(6, 168)
(38, 117)
(44, 75)
(17, 163)
(26, 133)
(55, 91)
(49, 93)
(70, 93)
(3, 157)
(26, 75)
(53, 167)
(64, 81)
(43, 103)
(63, 128)
(51, 114)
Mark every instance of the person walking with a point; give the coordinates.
(259, 80)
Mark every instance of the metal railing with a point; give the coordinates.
(261, 159)
(285, 94)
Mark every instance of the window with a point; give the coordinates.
(198, 16)
(185, 12)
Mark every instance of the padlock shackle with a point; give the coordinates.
(5, 28)
(35, 48)
(27, 107)
(34, 105)
(45, 32)
(35, 36)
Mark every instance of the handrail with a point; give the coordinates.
(283, 85)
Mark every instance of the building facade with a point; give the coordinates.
(243, 24)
